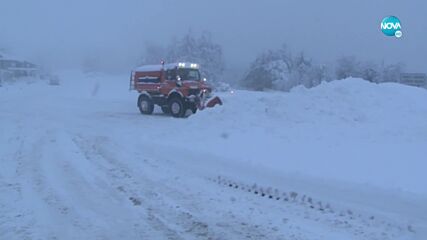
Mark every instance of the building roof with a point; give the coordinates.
(8, 57)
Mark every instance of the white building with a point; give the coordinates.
(13, 68)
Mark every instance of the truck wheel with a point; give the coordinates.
(176, 107)
(145, 104)
(165, 110)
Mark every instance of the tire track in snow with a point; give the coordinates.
(16, 221)
(41, 166)
(163, 204)
(130, 188)
(324, 213)
(83, 189)
(46, 175)
(162, 215)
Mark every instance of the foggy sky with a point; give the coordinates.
(64, 32)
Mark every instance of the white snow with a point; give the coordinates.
(158, 67)
(78, 161)
(149, 68)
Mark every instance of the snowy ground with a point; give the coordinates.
(345, 160)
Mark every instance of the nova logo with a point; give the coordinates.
(391, 26)
(388, 26)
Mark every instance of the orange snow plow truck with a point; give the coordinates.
(177, 88)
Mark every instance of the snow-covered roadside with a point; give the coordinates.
(355, 145)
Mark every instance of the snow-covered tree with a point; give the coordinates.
(258, 78)
(199, 49)
(347, 66)
(392, 72)
(370, 72)
(270, 70)
(280, 70)
(320, 73)
(302, 71)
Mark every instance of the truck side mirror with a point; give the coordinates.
(178, 81)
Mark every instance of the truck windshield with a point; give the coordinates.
(188, 74)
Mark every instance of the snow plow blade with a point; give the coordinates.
(213, 102)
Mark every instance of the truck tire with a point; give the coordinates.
(177, 107)
(145, 105)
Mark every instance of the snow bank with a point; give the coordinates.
(350, 130)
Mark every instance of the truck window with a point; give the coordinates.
(148, 79)
(189, 74)
(171, 74)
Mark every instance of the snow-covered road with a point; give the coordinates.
(78, 161)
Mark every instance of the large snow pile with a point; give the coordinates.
(349, 129)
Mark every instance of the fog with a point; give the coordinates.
(63, 33)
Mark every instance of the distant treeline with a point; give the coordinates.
(278, 69)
